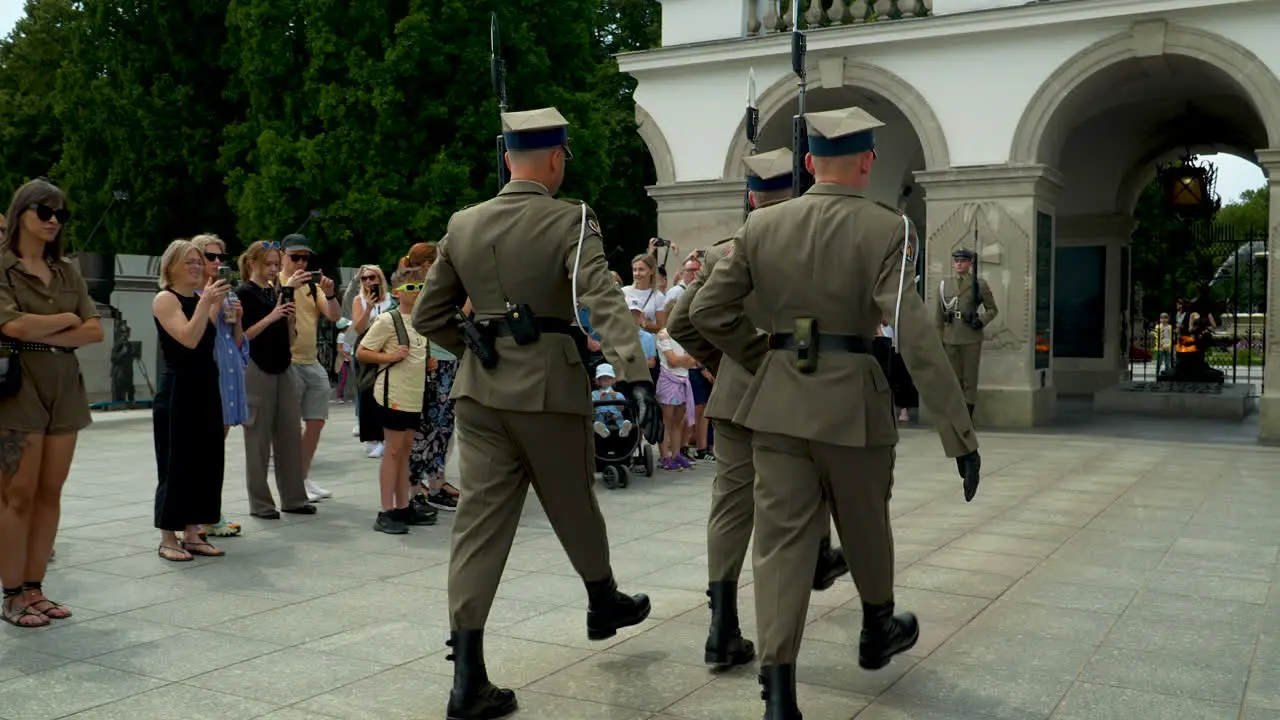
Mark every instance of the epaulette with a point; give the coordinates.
(572, 201)
(890, 208)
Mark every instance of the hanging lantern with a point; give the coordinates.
(1188, 187)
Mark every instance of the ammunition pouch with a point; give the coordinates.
(807, 346)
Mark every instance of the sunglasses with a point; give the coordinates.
(300, 259)
(270, 244)
(46, 213)
(369, 278)
(411, 287)
(220, 257)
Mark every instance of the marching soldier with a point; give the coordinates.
(524, 399)
(963, 310)
(732, 506)
(824, 269)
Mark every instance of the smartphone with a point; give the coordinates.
(286, 294)
(316, 275)
(224, 272)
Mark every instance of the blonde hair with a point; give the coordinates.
(203, 241)
(174, 255)
(253, 255)
(382, 277)
(408, 275)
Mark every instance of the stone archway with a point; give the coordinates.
(664, 165)
(862, 76)
(1037, 127)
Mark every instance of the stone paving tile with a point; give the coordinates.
(1091, 580)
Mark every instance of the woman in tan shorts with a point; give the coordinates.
(45, 314)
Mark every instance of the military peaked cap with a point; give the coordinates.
(535, 129)
(769, 171)
(841, 132)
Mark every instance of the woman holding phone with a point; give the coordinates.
(275, 410)
(374, 298)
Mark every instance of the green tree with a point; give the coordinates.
(1251, 213)
(140, 99)
(30, 133)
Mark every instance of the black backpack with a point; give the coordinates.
(368, 374)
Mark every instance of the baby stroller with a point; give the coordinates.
(619, 453)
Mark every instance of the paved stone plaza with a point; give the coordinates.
(1093, 579)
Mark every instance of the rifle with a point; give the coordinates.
(800, 179)
(753, 127)
(498, 75)
(974, 288)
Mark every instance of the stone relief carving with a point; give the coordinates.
(1004, 247)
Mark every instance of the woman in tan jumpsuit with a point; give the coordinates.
(45, 314)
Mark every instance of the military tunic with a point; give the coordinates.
(528, 419)
(963, 342)
(732, 506)
(825, 438)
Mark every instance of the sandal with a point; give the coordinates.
(175, 554)
(14, 614)
(209, 551)
(50, 609)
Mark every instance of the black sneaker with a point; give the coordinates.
(442, 500)
(389, 525)
(420, 513)
(705, 455)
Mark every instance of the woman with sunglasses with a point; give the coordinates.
(275, 410)
(231, 353)
(373, 299)
(45, 314)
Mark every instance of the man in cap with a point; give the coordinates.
(962, 313)
(732, 505)
(524, 409)
(312, 298)
(823, 270)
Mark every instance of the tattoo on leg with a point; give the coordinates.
(12, 443)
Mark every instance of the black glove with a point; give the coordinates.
(969, 466)
(976, 323)
(648, 412)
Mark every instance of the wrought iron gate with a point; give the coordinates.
(1198, 268)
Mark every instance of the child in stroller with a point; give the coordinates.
(618, 444)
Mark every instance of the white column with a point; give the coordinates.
(1269, 406)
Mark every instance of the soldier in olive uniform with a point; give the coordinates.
(526, 419)
(824, 269)
(769, 178)
(962, 313)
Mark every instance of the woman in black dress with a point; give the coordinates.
(187, 413)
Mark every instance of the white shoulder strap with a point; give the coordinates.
(577, 263)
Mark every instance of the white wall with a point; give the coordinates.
(977, 83)
(694, 21)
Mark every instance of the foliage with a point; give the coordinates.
(241, 117)
(1252, 213)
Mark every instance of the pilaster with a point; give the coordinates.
(1000, 211)
(1269, 405)
(698, 214)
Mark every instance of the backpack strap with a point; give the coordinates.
(402, 337)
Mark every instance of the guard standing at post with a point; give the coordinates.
(524, 407)
(825, 268)
(963, 310)
(732, 504)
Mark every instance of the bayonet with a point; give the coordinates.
(800, 179)
(498, 76)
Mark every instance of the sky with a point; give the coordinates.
(1234, 174)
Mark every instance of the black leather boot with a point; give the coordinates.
(779, 693)
(831, 565)
(885, 635)
(970, 410)
(725, 645)
(473, 696)
(608, 610)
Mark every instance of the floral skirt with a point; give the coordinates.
(431, 444)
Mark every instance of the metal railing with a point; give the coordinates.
(765, 17)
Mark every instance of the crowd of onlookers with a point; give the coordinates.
(238, 348)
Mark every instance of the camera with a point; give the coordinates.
(224, 272)
(659, 242)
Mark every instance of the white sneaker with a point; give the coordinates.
(355, 431)
(376, 449)
(625, 428)
(600, 429)
(315, 492)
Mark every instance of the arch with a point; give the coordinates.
(862, 76)
(664, 164)
(1256, 81)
